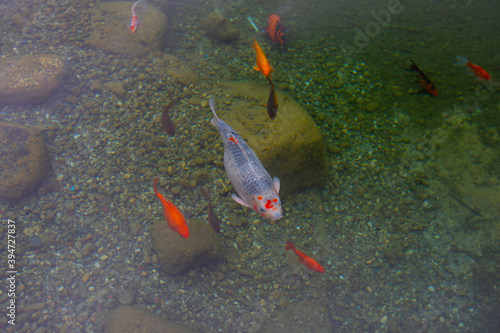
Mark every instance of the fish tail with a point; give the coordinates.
(461, 61)
(413, 66)
(216, 119)
(154, 186)
(289, 246)
(255, 45)
(205, 194)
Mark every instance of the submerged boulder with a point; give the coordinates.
(132, 319)
(111, 34)
(290, 147)
(176, 255)
(29, 78)
(23, 157)
(219, 27)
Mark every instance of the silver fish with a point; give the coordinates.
(250, 179)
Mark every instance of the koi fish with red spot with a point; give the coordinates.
(175, 220)
(307, 261)
(250, 179)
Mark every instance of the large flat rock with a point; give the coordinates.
(132, 319)
(111, 34)
(29, 78)
(290, 147)
(23, 157)
(176, 255)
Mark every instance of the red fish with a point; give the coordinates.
(275, 29)
(175, 220)
(140, 6)
(309, 262)
(424, 80)
(479, 71)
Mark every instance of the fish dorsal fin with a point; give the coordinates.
(239, 200)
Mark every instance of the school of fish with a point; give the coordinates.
(254, 186)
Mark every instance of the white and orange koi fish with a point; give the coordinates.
(250, 179)
(139, 7)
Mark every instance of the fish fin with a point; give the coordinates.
(289, 246)
(276, 183)
(154, 186)
(256, 68)
(140, 7)
(205, 194)
(461, 61)
(216, 119)
(239, 200)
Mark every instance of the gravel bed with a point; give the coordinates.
(401, 254)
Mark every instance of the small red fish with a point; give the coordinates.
(175, 220)
(424, 80)
(477, 70)
(139, 6)
(134, 23)
(275, 29)
(309, 262)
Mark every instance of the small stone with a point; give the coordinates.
(85, 277)
(82, 317)
(176, 190)
(431, 289)
(126, 297)
(371, 106)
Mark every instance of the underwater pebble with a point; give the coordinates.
(85, 277)
(126, 297)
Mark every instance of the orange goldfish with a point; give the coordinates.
(263, 65)
(478, 70)
(309, 262)
(175, 220)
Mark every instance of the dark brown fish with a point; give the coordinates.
(272, 102)
(212, 218)
(166, 123)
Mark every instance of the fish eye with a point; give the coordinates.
(262, 210)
